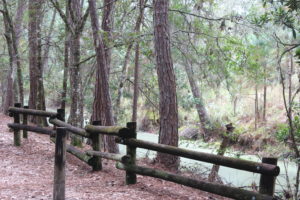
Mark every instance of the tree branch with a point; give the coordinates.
(62, 15)
(83, 20)
(192, 14)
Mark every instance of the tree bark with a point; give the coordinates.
(66, 65)
(168, 133)
(107, 27)
(291, 70)
(22, 4)
(45, 57)
(9, 95)
(136, 82)
(256, 112)
(36, 95)
(102, 107)
(265, 95)
(75, 7)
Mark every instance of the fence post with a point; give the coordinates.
(131, 152)
(25, 134)
(61, 116)
(96, 144)
(267, 183)
(17, 135)
(59, 164)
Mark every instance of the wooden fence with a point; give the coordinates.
(127, 136)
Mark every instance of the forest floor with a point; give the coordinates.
(26, 172)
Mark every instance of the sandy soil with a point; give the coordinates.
(26, 172)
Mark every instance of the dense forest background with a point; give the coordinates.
(170, 66)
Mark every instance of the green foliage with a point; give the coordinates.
(283, 13)
(282, 132)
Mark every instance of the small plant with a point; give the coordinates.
(282, 132)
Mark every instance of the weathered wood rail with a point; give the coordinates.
(127, 136)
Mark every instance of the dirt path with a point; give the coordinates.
(26, 172)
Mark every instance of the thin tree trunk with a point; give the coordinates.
(202, 114)
(102, 108)
(66, 64)
(9, 96)
(265, 95)
(122, 80)
(45, 57)
(136, 83)
(235, 101)
(290, 78)
(81, 104)
(256, 107)
(168, 133)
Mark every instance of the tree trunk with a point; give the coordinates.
(22, 4)
(168, 133)
(45, 57)
(75, 8)
(122, 80)
(203, 117)
(102, 108)
(66, 64)
(256, 112)
(291, 70)
(36, 95)
(107, 27)
(9, 95)
(265, 95)
(12, 35)
(74, 78)
(136, 83)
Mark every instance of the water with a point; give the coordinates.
(234, 177)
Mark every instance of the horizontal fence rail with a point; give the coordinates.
(70, 128)
(245, 165)
(32, 129)
(40, 113)
(109, 130)
(215, 188)
(110, 156)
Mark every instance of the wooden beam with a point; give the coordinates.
(109, 156)
(245, 165)
(79, 154)
(215, 188)
(69, 127)
(31, 129)
(41, 113)
(109, 130)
